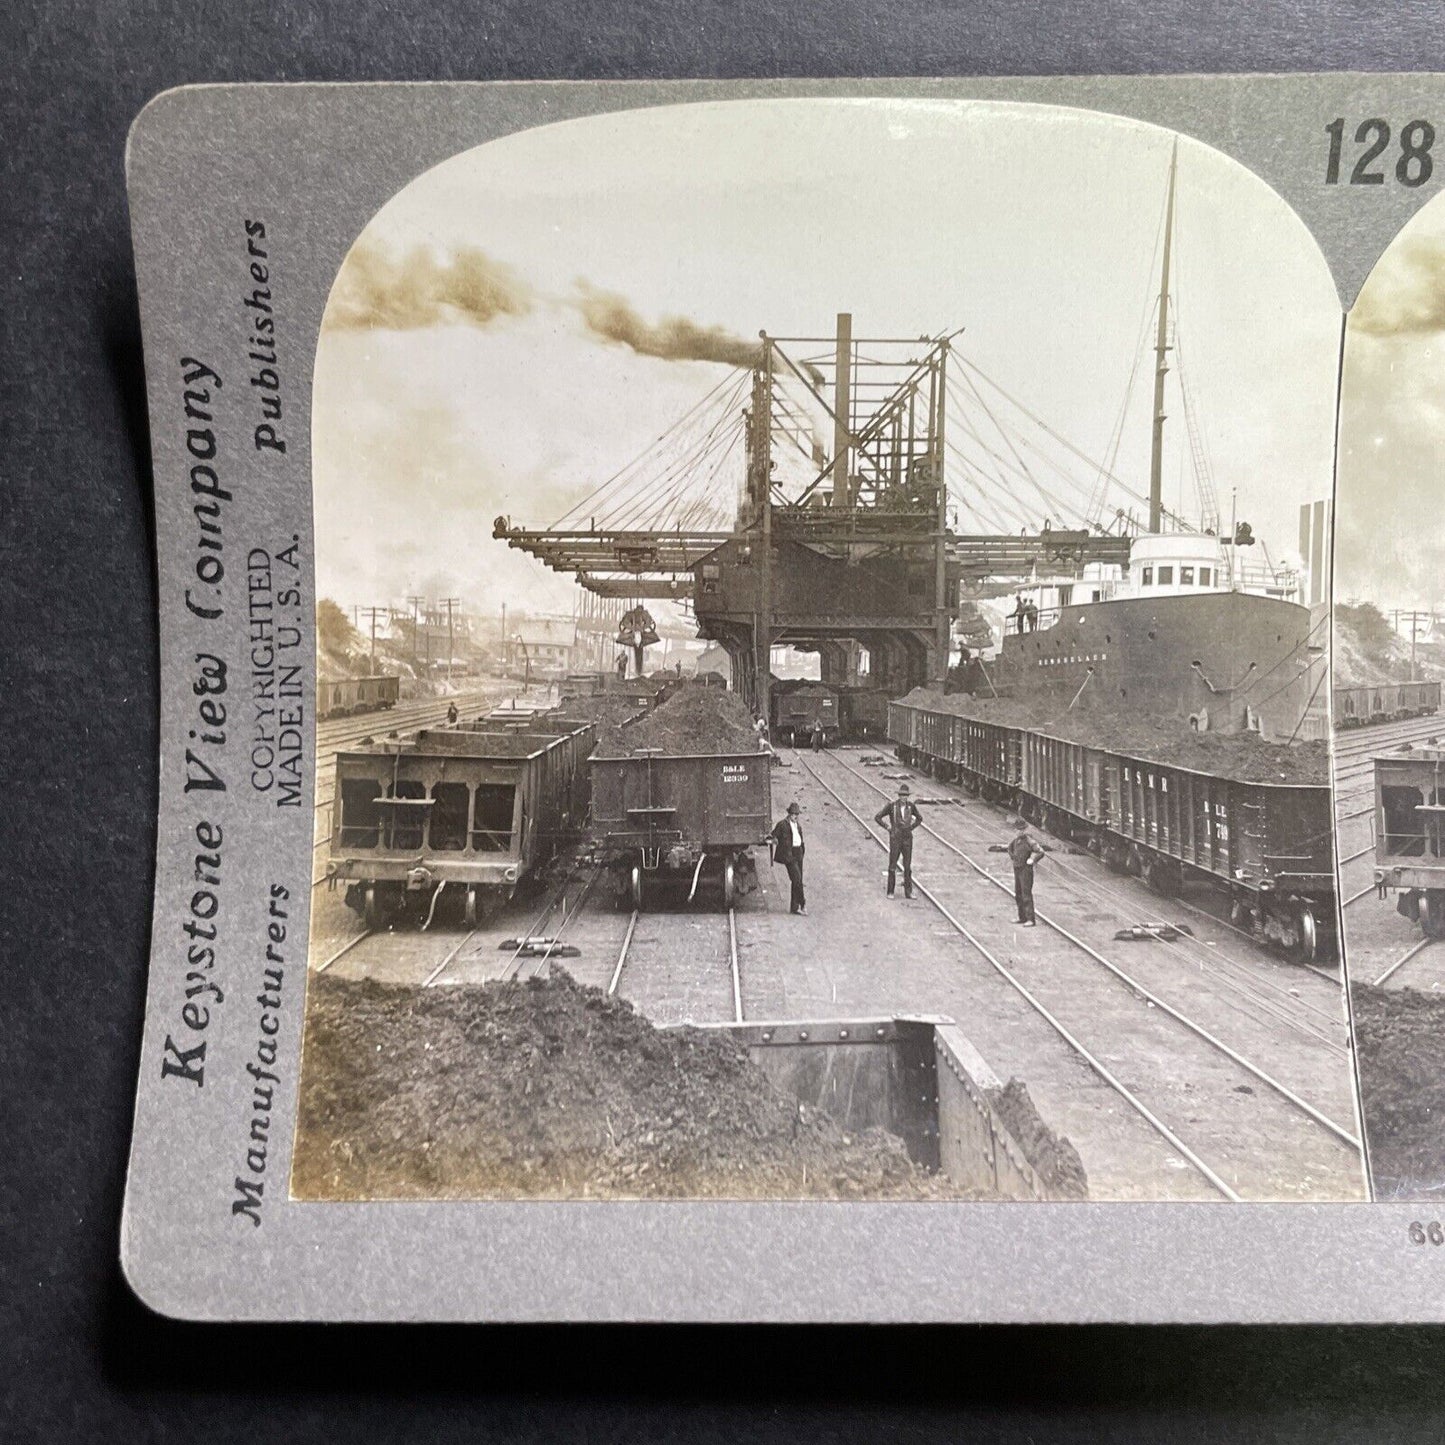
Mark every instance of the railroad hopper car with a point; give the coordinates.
(798, 708)
(676, 824)
(343, 696)
(454, 812)
(1357, 707)
(1410, 834)
(863, 713)
(645, 691)
(1267, 846)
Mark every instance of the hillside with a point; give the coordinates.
(1368, 650)
(343, 651)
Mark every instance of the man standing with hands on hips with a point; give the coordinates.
(1024, 852)
(902, 818)
(787, 840)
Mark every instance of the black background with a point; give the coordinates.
(79, 1358)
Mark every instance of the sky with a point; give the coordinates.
(1390, 531)
(481, 352)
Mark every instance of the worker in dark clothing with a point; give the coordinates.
(1031, 615)
(1020, 611)
(451, 713)
(902, 818)
(1023, 853)
(622, 664)
(787, 841)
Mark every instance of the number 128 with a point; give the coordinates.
(1413, 166)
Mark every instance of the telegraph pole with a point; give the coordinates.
(449, 603)
(1414, 618)
(373, 613)
(416, 603)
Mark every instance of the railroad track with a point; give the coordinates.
(1353, 760)
(523, 962)
(735, 976)
(1249, 981)
(1399, 963)
(405, 714)
(1323, 1131)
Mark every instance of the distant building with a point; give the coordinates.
(547, 644)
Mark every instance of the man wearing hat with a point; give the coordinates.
(1024, 852)
(787, 841)
(902, 818)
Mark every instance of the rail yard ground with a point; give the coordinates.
(1202, 1068)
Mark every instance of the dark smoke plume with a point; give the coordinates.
(377, 290)
(674, 338)
(1406, 294)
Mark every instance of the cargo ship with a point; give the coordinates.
(1189, 629)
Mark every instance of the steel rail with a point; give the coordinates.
(1119, 1087)
(737, 976)
(622, 955)
(1400, 962)
(513, 966)
(1139, 989)
(342, 952)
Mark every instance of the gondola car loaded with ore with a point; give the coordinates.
(1252, 819)
(800, 707)
(465, 812)
(679, 797)
(863, 713)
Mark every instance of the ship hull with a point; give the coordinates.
(1230, 661)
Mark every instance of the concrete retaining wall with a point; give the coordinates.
(919, 1078)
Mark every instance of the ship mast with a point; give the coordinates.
(1161, 361)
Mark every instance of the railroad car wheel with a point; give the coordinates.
(637, 887)
(1160, 877)
(1432, 913)
(729, 883)
(1307, 947)
(370, 909)
(469, 911)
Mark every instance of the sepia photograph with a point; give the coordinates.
(1389, 662)
(824, 668)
